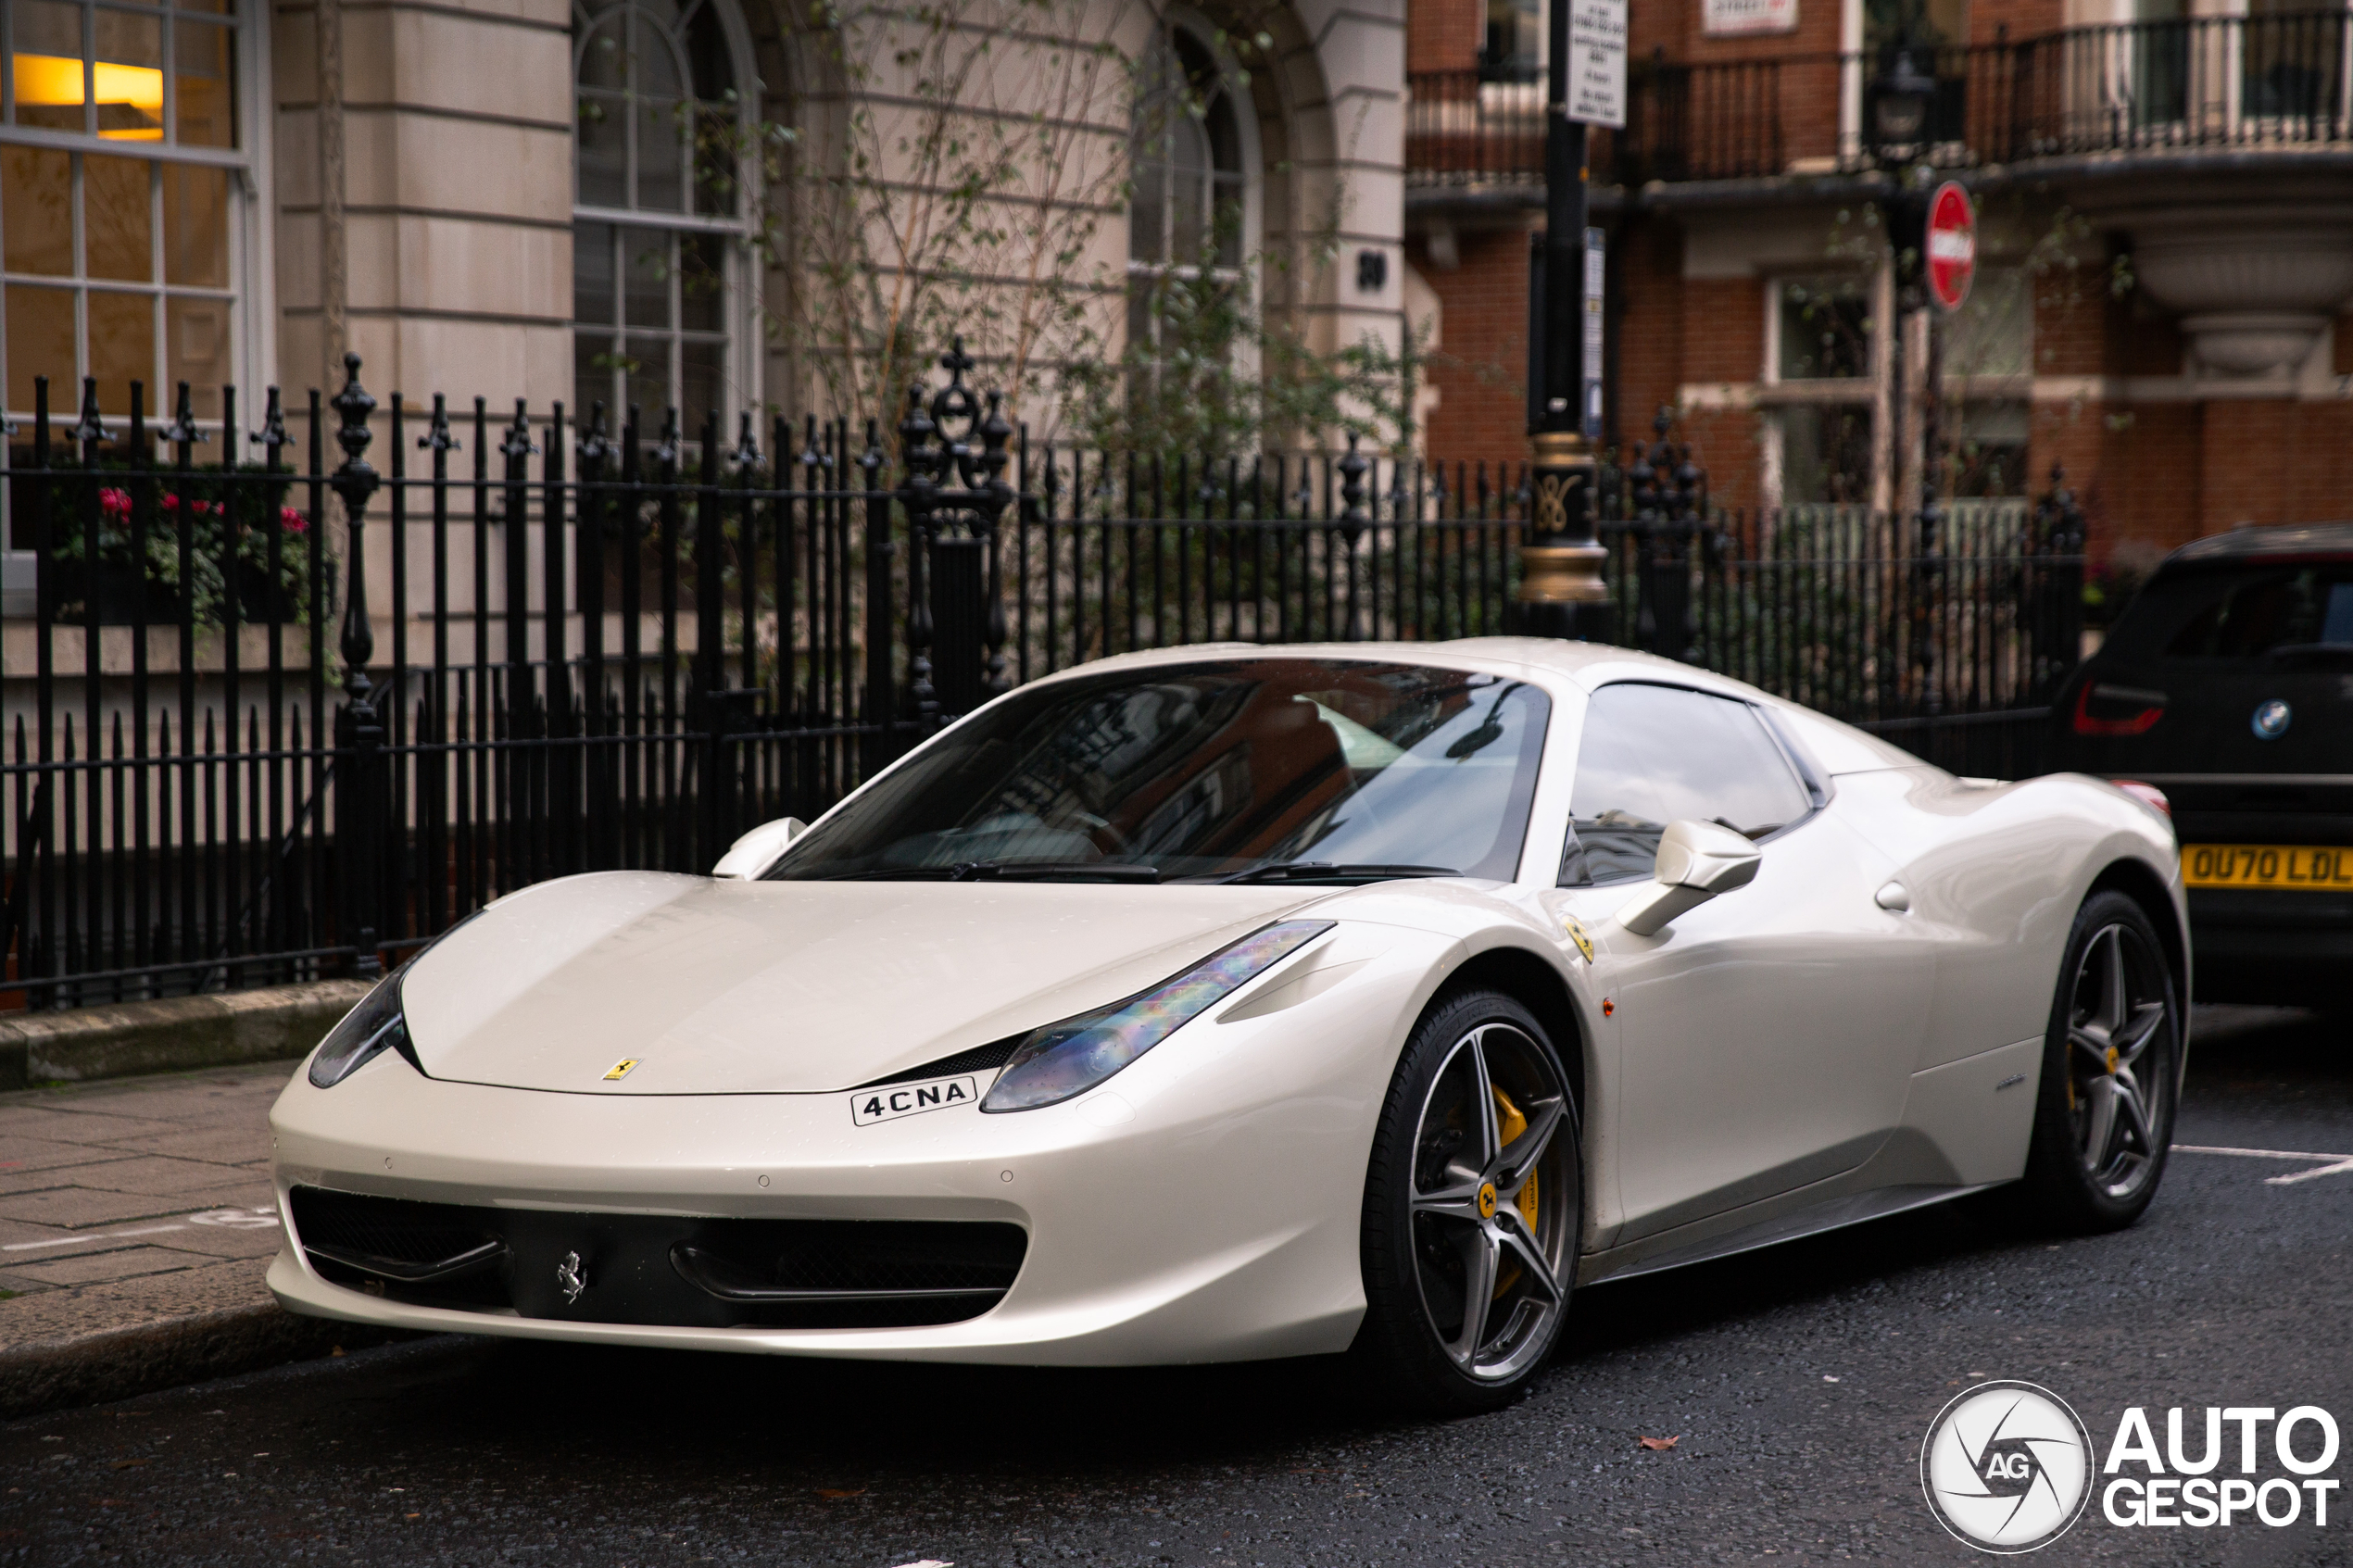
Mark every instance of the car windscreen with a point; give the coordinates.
(1275, 769)
(2281, 612)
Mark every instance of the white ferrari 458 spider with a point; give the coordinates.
(1230, 1002)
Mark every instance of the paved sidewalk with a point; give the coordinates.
(136, 1222)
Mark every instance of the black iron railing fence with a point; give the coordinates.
(249, 739)
(2275, 80)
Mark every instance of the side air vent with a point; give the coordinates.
(980, 1059)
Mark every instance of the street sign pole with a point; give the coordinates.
(1562, 592)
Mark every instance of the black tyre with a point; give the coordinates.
(2111, 1073)
(1472, 1207)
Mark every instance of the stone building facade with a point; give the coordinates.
(508, 198)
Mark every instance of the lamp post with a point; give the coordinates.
(1561, 592)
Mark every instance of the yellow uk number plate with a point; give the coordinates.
(2322, 868)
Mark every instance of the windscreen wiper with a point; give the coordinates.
(1006, 870)
(1328, 870)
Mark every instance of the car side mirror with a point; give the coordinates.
(759, 850)
(1696, 861)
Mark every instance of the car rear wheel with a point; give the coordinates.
(2111, 1063)
(1471, 1213)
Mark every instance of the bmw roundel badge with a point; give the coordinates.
(2270, 718)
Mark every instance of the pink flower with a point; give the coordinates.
(114, 501)
(291, 520)
(171, 503)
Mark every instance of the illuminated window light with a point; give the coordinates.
(130, 98)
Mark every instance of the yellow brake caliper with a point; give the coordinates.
(1509, 1125)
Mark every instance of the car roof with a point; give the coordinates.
(1559, 655)
(2264, 543)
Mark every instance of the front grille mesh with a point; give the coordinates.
(658, 1268)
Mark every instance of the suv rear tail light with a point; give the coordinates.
(2147, 794)
(2103, 710)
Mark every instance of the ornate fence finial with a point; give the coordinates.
(747, 452)
(666, 444)
(89, 430)
(183, 431)
(517, 443)
(273, 434)
(595, 445)
(437, 438)
(1354, 518)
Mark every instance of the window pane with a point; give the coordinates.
(40, 344)
(1189, 224)
(702, 283)
(1148, 214)
(592, 298)
(711, 73)
(646, 253)
(130, 77)
(47, 64)
(196, 342)
(604, 149)
(1654, 755)
(592, 367)
(703, 369)
(648, 366)
(203, 86)
(601, 64)
(658, 74)
(1992, 333)
(36, 209)
(714, 148)
(1825, 327)
(195, 226)
(660, 171)
(122, 346)
(1826, 454)
(1989, 454)
(118, 219)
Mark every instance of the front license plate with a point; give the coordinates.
(2300, 867)
(869, 1106)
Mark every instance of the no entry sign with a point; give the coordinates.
(1952, 245)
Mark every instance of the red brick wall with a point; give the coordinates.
(2275, 462)
(1723, 329)
(1480, 366)
(1444, 35)
(1650, 330)
(1989, 19)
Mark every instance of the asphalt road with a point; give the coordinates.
(1798, 1384)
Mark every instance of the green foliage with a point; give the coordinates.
(231, 522)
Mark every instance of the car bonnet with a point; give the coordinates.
(790, 988)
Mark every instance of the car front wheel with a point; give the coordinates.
(1472, 1202)
(2111, 1063)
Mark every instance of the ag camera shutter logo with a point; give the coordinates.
(2006, 1467)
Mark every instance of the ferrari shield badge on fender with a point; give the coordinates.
(869, 1106)
(620, 1069)
(1577, 934)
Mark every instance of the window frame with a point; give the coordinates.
(1811, 781)
(1249, 154)
(740, 360)
(251, 260)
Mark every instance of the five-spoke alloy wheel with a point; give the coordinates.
(1472, 1207)
(2111, 1065)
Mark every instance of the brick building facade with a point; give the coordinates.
(2166, 249)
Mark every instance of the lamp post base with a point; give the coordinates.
(1562, 590)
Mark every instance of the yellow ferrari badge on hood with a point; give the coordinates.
(1577, 935)
(620, 1069)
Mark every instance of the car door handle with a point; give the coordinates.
(1895, 897)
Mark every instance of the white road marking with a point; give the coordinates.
(2334, 1164)
(106, 1235)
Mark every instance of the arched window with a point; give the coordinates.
(659, 219)
(1191, 224)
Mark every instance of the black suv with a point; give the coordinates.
(2228, 684)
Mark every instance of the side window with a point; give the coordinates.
(1651, 755)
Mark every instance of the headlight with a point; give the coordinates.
(1072, 1057)
(371, 1028)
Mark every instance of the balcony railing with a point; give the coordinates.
(2277, 82)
